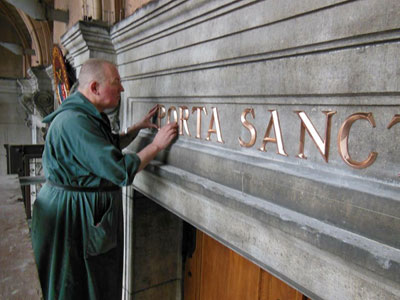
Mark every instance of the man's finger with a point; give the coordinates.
(153, 109)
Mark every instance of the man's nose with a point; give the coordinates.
(122, 88)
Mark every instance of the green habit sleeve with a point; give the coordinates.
(85, 145)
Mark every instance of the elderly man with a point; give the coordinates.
(77, 223)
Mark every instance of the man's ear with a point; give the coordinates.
(93, 87)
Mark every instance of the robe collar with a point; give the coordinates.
(77, 101)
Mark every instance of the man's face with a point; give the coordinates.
(111, 88)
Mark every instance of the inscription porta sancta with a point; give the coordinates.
(272, 131)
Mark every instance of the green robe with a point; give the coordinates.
(77, 236)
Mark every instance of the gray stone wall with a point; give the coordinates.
(325, 227)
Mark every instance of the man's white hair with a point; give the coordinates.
(93, 69)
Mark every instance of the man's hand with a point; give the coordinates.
(161, 141)
(131, 132)
(146, 121)
(165, 136)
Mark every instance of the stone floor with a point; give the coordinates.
(18, 273)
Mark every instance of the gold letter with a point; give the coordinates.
(172, 108)
(183, 120)
(323, 146)
(343, 141)
(249, 126)
(274, 120)
(198, 128)
(395, 120)
(217, 130)
(160, 115)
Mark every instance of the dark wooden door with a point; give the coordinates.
(216, 272)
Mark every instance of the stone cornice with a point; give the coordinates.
(39, 79)
(87, 40)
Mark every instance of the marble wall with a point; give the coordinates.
(288, 113)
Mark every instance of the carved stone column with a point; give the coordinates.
(37, 100)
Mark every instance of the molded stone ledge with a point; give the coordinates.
(88, 40)
(204, 39)
(169, 17)
(154, 21)
(277, 238)
(360, 205)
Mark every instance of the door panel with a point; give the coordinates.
(271, 288)
(215, 272)
(226, 275)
